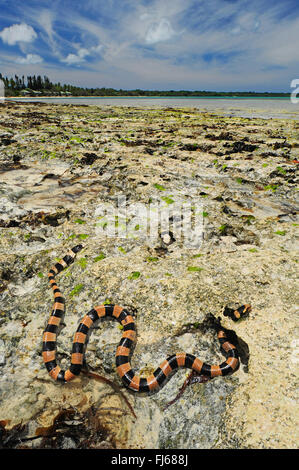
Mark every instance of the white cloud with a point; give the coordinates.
(45, 19)
(18, 33)
(29, 59)
(161, 31)
(246, 23)
(97, 49)
(76, 59)
(73, 59)
(82, 53)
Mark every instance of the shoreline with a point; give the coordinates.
(246, 107)
(153, 97)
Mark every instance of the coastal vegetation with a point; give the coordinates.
(37, 85)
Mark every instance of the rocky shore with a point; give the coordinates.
(59, 164)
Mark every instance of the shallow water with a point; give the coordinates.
(245, 107)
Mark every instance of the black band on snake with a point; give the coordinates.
(124, 369)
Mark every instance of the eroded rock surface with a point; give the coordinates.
(58, 164)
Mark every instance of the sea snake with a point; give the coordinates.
(124, 369)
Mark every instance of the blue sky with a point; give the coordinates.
(153, 44)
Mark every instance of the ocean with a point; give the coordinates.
(248, 107)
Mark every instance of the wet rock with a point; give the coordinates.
(6, 139)
(221, 136)
(279, 145)
(240, 146)
(89, 158)
(192, 147)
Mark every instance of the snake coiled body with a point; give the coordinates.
(124, 369)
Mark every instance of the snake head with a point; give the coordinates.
(237, 314)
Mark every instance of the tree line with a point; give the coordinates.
(15, 85)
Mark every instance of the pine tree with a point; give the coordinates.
(39, 83)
